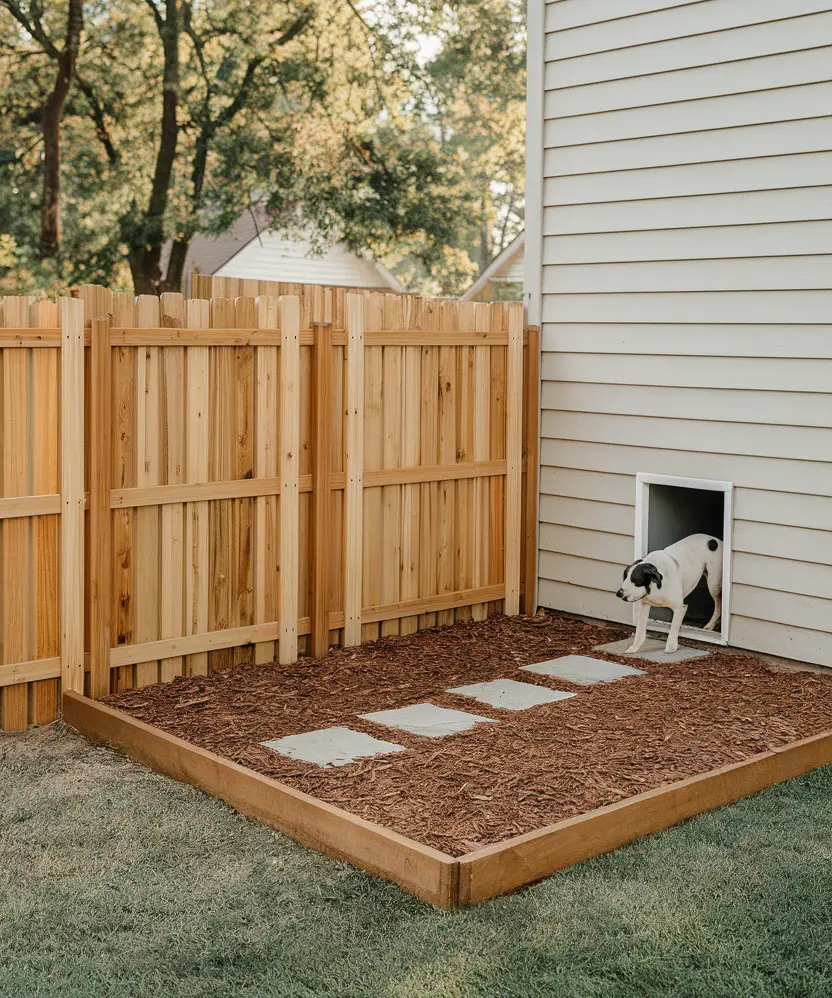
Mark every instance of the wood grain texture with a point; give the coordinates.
(514, 455)
(266, 536)
(72, 495)
(321, 534)
(354, 470)
(16, 533)
(123, 475)
(146, 523)
(197, 459)
(100, 519)
(45, 480)
(172, 470)
(425, 872)
(289, 472)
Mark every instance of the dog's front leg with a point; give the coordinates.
(675, 626)
(641, 613)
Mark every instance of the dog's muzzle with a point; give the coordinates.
(620, 594)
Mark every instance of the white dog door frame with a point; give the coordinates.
(643, 483)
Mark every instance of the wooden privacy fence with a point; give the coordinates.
(265, 477)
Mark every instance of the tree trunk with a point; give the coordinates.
(50, 225)
(176, 266)
(145, 238)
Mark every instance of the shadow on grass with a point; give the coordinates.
(116, 882)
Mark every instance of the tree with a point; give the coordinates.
(49, 113)
(182, 115)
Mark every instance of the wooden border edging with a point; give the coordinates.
(423, 871)
(436, 877)
(508, 866)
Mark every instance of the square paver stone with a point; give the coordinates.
(332, 746)
(653, 651)
(427, 719)
(583, 670)
(508, 694)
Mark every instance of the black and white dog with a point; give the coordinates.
(665, 578)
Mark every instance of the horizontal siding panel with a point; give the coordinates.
(796, 443)
(591, 485)
(766, 173)
(695, 372)
(805, 273)
(749, 142)
(794, 543)
(787, 642)
(584, 601)
(782, 607)
(780, 574)
(690, 340)
(610, 518)
(777, 307)
(562, 14)
(614, 61)
(678, 22)
(780, 507)
(736, 241)
(736, 110)
(604, 575)
(586, 543)
(723, 405)
(771, 72)
(707, 211)
(770, 474)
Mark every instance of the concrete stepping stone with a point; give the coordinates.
(583, 670)
(331, 746)
(652, 651)
(508, 694)
(427, 719)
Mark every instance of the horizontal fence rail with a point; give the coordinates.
(263, 477)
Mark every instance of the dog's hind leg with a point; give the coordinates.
(641, 614)
(675, 626)
(715, 589)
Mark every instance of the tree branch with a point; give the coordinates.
(100, 122)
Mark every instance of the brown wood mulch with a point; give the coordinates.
(532, 769)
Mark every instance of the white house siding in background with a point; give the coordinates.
(291, 260)
(683, 278)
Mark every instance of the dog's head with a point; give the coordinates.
(639, 578)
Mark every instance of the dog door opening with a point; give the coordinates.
(669, 509)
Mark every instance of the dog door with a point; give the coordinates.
(668, 509)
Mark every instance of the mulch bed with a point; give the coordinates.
(534, 768)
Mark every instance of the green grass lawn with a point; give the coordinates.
(115, 882)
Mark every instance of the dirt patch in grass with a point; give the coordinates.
(534, 768)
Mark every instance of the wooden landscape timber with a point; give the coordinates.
(227, 456)
(438, 878)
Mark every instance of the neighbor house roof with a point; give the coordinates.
(248, 249)
(508, 266)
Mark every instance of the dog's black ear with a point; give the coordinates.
(653, 574)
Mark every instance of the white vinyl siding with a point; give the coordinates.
(273, 256)
(686, 295)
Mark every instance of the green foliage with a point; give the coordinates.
(322, 111)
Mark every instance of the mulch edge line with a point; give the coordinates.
(440, 879)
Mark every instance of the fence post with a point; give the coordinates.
(100, 517)
(321, 484)
(354, 471)
(72, 495)
(514, 456)
(289, 486)
(532, 449)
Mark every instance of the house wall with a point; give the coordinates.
(686, 293)
(274, 257)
